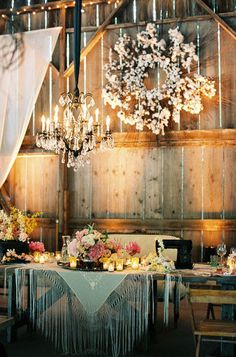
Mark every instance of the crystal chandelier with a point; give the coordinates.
(78, 134)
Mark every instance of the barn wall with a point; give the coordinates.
(182, 186)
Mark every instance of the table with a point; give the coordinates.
(95, 312)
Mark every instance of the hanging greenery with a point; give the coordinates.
(128, 71)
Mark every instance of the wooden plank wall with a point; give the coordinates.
(179, 188)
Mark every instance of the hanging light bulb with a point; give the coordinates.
(78, 134)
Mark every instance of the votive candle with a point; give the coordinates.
(119, 264)
(106, 262)
(42, 259)
(135, 263)
(73, 262)
(111, 266)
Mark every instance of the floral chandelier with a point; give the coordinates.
(78, 134)
(127, 75)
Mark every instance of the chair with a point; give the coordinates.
(211, 330)
(7, 320)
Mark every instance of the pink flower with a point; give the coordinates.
(80, 234)
(36, 247)
(132, 248)
(72, 248)
(97, 251)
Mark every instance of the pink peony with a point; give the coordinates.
(97, 251)
(80, 234)
(132, 248)
(36, 247)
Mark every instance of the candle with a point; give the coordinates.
(106, 262)
(58, 256)
(135, 263)
(110, 56)
(42, 259)
(119, 264)
(36, 257)
(111, 267)
(96, 115)
(43, 122)
(73, 262)
(108, 122)
(90, 123)
(56, 116)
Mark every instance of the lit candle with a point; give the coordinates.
(111, 267)
(58, 256)
(73, 262)
(108, 122)
(43, 122)
(110, 56)
(106, 262)
(119, 264)
(56, 116)
(135, 263)
(42, 259)
(36, 257)
(96, 115)
(90, 123)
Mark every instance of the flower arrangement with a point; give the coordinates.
(89, 244)
(127, 74)
(12, 256)
(159, 263)
(93, 245)
(17, 225)
(36, 247)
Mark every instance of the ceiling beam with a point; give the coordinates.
(217, 18)
(96, 37)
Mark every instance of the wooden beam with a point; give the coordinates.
(217, 18)
(214, 137)
(157, 22)
(97, 36)
(155, 225)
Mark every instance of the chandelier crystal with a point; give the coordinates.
(77, 134)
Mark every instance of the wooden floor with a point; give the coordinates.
(164, 342)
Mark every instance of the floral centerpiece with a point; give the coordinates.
(160, 263)
(89, 244)
(15, 230)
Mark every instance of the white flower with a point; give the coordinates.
(153, 108)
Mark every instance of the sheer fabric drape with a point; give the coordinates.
(19, 88)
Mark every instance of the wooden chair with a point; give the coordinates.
(212, 330)
(7, 318)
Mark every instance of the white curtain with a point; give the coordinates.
(19, 88)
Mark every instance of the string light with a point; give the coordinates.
(34, 9)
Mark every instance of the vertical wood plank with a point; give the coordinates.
(192, 184)
(118, 183)
(172, 186)
(135, 178)
(229, 182)
(153, 184)
(213, 182)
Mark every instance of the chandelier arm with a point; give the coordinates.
(77, 43)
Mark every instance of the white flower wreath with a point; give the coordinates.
(126, 75)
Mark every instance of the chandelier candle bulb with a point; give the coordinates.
(108, 122)
(96, 115)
